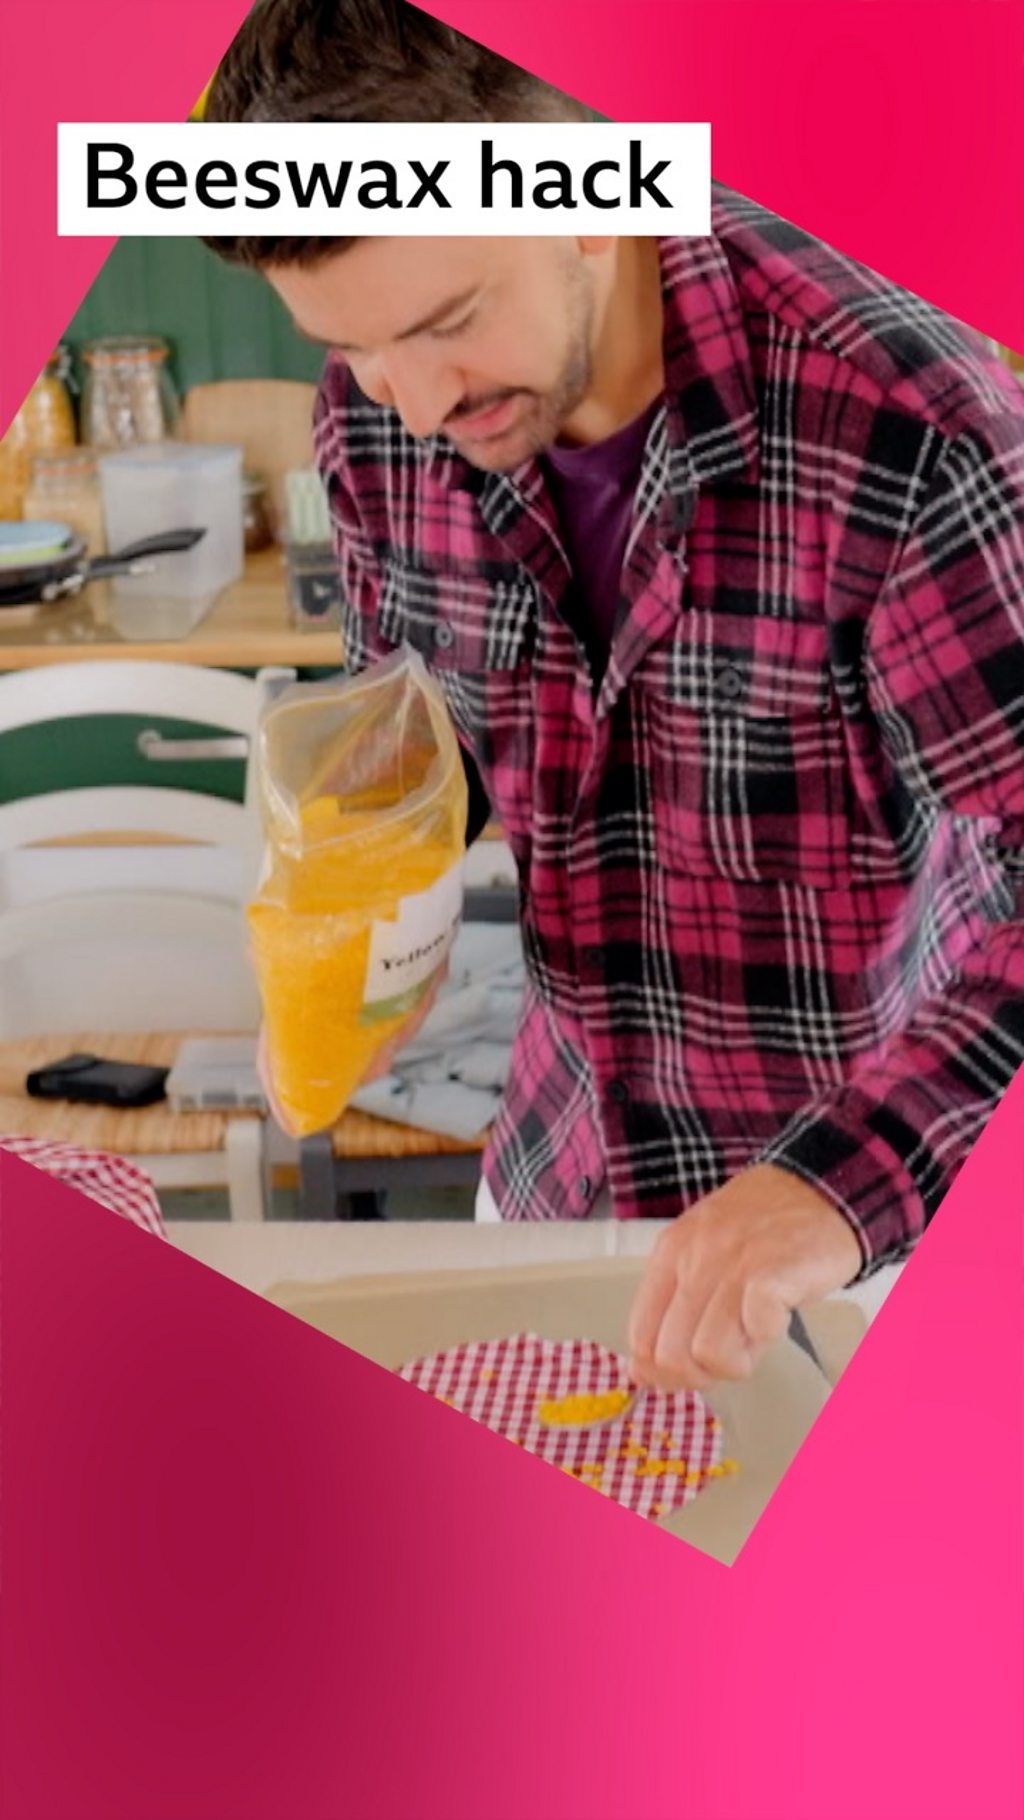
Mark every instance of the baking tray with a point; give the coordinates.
(392, 1319)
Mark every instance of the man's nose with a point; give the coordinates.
(422, 394)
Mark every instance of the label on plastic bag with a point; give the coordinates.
(405, 953)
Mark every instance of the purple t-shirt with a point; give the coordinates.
(593, 489)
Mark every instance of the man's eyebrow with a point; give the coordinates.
(433, 317)
(430, 321)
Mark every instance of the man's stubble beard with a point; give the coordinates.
(550, 409)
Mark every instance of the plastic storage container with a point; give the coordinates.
(173, 486)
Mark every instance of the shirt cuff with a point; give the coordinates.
(856, 1153)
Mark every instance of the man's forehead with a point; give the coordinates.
(384, 289)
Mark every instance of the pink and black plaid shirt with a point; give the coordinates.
(772, 877)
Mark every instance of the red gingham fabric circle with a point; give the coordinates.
(116, 1184)
(651, 1459)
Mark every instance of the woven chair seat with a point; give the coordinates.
(159, 1130)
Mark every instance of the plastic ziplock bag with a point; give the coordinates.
(364, 800)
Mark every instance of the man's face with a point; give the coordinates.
(489, 340)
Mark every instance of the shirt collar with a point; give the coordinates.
(712, 423)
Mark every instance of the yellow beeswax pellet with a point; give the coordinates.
(583, 1407)
(311, 932)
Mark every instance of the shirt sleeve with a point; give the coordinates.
(944, 668)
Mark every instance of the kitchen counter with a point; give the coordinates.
(247, 628)
(275, 1251)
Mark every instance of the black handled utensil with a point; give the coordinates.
(66, 574)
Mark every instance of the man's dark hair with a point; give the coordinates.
(327, 60)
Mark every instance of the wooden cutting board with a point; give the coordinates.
(271, 419)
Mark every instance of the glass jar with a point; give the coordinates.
(66, 488)
(45, 425)
(255, 513)
(128, 397)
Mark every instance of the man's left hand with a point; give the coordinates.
(724, 1278)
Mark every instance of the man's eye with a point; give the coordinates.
(452, 329)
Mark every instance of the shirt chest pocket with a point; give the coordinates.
(475, 633)
(748, 774)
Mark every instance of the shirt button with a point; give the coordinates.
(594, 957)
(618, 1092)
(683, 509)
(444, 636)
(729, 682)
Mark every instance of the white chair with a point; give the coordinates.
(122, 913)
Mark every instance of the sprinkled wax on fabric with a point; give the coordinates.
(576, 1411)
(565, 1401)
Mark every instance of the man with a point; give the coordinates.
(717, 549)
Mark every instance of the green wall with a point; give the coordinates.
(221, 322)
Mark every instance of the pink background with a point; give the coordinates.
(245, 1573)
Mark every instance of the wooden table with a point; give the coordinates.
(248, 627)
